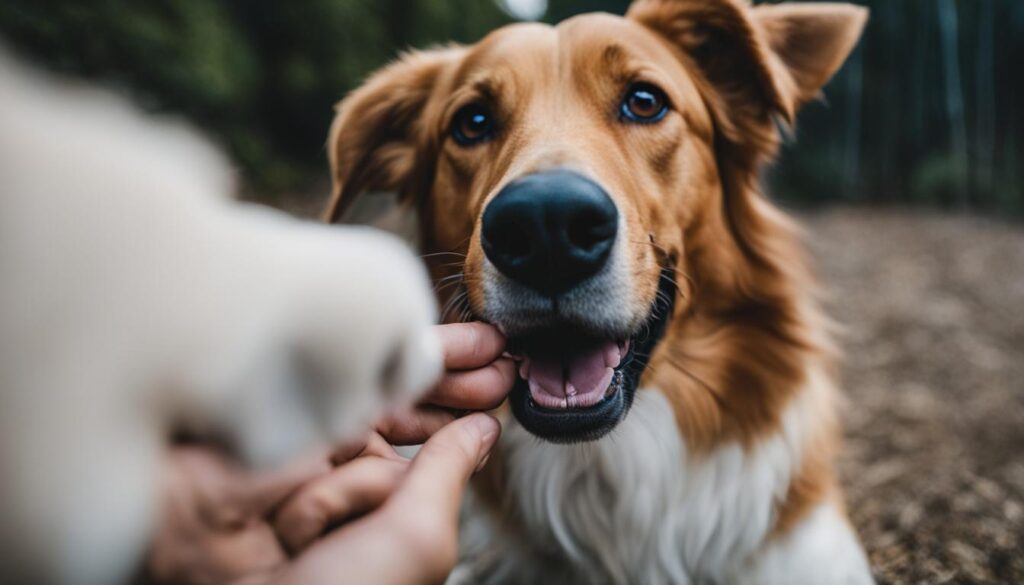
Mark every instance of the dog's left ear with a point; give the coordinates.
(380, 129)
(766, 59)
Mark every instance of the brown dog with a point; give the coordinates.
(597, 184)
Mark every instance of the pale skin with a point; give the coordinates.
(356, 514)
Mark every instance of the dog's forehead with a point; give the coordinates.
(589, 54)
(586, 39)
(525, 44)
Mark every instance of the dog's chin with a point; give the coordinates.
(576, 385)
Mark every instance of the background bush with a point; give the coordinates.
(927, 111)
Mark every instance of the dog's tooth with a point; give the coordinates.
(615, 384)
(571, 401)
(512, 356)
(612, 357)
(524, 369)
(536, 392)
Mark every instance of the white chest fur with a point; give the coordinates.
(636, 507)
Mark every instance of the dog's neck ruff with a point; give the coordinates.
(636, 506)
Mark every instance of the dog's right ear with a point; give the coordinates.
(380, 129)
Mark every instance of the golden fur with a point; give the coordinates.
(746, 322)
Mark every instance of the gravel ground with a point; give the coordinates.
(933, 311)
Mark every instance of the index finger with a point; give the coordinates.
(470, 345)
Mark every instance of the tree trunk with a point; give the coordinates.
(854, 104)
(985, 101)
(948, 25)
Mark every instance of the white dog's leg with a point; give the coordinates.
(134, 296)
(330, 326)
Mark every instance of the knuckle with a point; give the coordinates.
(315, 506)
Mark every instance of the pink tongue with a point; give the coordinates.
(577, 381)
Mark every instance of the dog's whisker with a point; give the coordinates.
(453, 304)
(467, 313)
(440, 288)
(449, 277)
(435, 254)
(441, 291)
(454, 277)
(449, 302)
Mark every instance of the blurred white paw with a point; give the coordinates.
(359, 339)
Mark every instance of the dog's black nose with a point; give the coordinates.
(550, 231)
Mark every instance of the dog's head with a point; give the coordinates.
(592, 179)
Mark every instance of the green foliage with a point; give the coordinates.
(937, 178)
(262, 76)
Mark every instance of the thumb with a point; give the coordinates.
(421, 516)
(439, 472)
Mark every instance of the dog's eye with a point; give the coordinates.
(472, 124)
(644, 103)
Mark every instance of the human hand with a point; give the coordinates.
(213, 522)
(218, 523)
(412, 537)
(222, 524)
(477, 377)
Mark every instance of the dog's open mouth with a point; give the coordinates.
(578, 378)
(576, 386)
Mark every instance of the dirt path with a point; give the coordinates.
(933, 308)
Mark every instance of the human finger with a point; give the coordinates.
(352, 489)
(438, 474)
(470, 345)
(415, 425)
(412, 538)
(481, 389)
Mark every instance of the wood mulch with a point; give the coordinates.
(933, 310)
